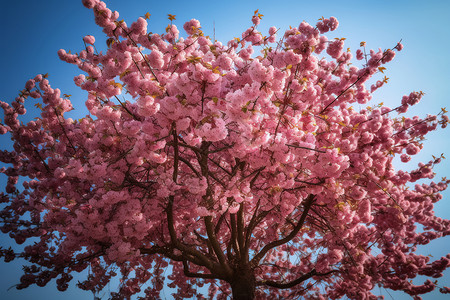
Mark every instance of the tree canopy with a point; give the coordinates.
(245, 166)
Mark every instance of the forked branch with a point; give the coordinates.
(308, 203)
(290, 284)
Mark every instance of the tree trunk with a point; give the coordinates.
(243, 285)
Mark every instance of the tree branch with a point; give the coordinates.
(204, 240)
(223, 169)
(216, 246)
(219, 223)
(293, 283)
(240, 234)
(125, 107)
(306, 148)
(197, 275)
(210, 230)
(233, 239)
(308, 203)
(167, 251)
(354, 83)
(217, 180)
(256, 218)
(176, 153)
(257, 171)
(221, 149)
(202, 259)
(190, 166)
(195, 149)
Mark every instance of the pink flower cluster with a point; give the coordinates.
(207, 160)
(326, 25)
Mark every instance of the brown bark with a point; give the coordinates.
(243, 285)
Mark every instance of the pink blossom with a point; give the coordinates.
(326, 25)
(412, 99)
(246, 53)
(291, 58)
(140, 26)
(258, 72)
(30, 84)
(359, 54)
(334, 256)
(335, 48)
(192, 26)
(256, 20)
(156, 59)
(272, 30)
(388, 56)
(412, 149)
(197, 186)
(203, 211)
(89, 39)
(79, 80)
(364, 210)
(89, 3)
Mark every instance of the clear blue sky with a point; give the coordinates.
(35, 30)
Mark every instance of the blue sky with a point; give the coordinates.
(35, 30)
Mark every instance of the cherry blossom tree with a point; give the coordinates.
(240, 166)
